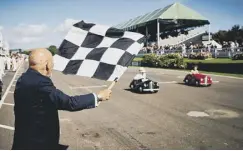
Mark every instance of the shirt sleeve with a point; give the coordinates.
(63, 101)
(97, 102)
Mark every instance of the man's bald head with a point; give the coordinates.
(41, 60)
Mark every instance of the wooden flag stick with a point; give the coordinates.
(112, 84)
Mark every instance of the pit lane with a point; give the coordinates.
(146, 121)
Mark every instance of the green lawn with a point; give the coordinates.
(137, 59)
(219, 60)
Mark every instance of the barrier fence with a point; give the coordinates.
(216, 52)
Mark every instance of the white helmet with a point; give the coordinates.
(142, 69)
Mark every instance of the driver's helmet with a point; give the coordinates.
(142, 70)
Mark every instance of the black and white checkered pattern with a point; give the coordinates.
(97, 51)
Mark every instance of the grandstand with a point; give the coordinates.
(174, 21)
(182, 38)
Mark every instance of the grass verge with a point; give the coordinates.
(218, 61)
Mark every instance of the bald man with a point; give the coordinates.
(37, 102)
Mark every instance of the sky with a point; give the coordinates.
(30, 24)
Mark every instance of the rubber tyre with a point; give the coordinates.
(186, 82)
(140, 89)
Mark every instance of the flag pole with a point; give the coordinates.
(112, 84)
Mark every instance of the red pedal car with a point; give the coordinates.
(198, 80)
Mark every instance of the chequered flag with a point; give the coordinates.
(97, 51)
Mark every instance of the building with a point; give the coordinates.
(173, 20)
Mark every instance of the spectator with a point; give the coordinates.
(37, 102)
(8, 63)
(141, 74)
(14, 63)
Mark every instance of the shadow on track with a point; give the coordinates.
(182, 83)
(138, 92)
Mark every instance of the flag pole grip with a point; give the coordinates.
(112, 84)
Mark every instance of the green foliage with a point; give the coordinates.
(52, 49)
(26, 52)
(234, 34)
(164, 61)
(200, 55)
(151, 60)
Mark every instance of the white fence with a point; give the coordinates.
(216, 52)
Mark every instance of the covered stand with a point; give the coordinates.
(166, 21)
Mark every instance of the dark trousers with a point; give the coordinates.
(1, 89)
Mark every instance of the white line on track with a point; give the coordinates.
(64, 120)
(7, 127)
(85, 87)
(159, 73)
(9, 86)
(10, 104)
(168, 82)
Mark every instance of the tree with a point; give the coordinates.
(220, 36)
(53, 49)
(234, 34)
(26, 52)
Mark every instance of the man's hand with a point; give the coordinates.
(104, 95)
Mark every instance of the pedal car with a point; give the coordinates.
(144, 86)
(198, 79)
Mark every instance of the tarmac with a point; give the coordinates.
(177, 117)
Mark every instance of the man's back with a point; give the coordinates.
(36, 117)
(37, 102)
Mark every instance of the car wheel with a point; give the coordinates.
(140, 89)
(197, 83)
(132, 86)
(186, 81)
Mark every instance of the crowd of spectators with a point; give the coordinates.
(171, 48)
(231, 44)
(183, 48)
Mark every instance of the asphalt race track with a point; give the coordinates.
(168, 119)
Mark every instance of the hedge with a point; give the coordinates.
(200, 55)
(173, 61)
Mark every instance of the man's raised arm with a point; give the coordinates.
(63, 101)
